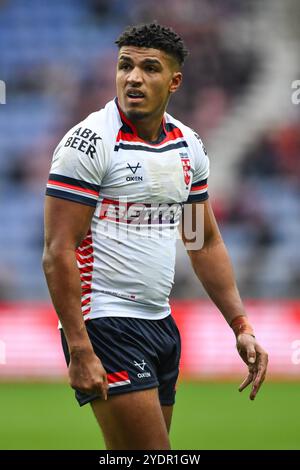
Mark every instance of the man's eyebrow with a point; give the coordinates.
(151, 61)
(145, 61)
(125, 57)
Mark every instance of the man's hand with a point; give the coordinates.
(256, 359)
(87, 374)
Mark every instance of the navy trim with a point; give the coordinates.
(74, 182)
(125, 128)
(197, 197)
(200, 183)
(71, 197)
(150, 149)
(170, 127)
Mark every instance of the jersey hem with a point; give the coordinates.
(141, 316)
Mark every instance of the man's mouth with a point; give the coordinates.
(135, 95)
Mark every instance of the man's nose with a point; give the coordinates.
(135, 76)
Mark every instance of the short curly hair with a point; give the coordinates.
(154, 35)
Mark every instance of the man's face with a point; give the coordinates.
(145, 79)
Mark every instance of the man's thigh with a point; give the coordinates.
(167, 411)
(132, 421)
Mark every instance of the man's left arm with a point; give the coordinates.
(213, 267)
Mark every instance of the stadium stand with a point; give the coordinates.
(58, 64)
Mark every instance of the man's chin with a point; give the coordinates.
(136, 115)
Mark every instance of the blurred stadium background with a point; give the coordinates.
(57, 60)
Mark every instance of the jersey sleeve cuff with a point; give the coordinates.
(198, 191)
(71, 197)
(197, 197)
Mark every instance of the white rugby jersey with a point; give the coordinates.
(127, 258)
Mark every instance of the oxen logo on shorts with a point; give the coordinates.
(141, 365)
(186, 165)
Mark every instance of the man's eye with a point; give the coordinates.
(149, 68)
(124, 66)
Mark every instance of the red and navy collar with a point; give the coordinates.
(129, 128)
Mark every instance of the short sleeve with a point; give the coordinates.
(78, 166)
(198, 191)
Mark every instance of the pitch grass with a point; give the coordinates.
(206, 416)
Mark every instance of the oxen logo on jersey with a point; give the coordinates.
(133, 169)
(186, 165)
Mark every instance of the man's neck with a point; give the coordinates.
(149, 130)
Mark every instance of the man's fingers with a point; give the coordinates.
(246, 382)
(251, 354)
(100, 387)
(256, 359)
(261, 374)
(104, 387)
(257, 382)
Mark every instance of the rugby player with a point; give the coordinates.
(117, 184)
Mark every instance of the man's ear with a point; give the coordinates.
(175, 82)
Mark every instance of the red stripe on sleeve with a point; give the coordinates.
(198, 188)
(71, 186)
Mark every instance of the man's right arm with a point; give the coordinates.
(66, 225)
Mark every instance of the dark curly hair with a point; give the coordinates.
(154, 35)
